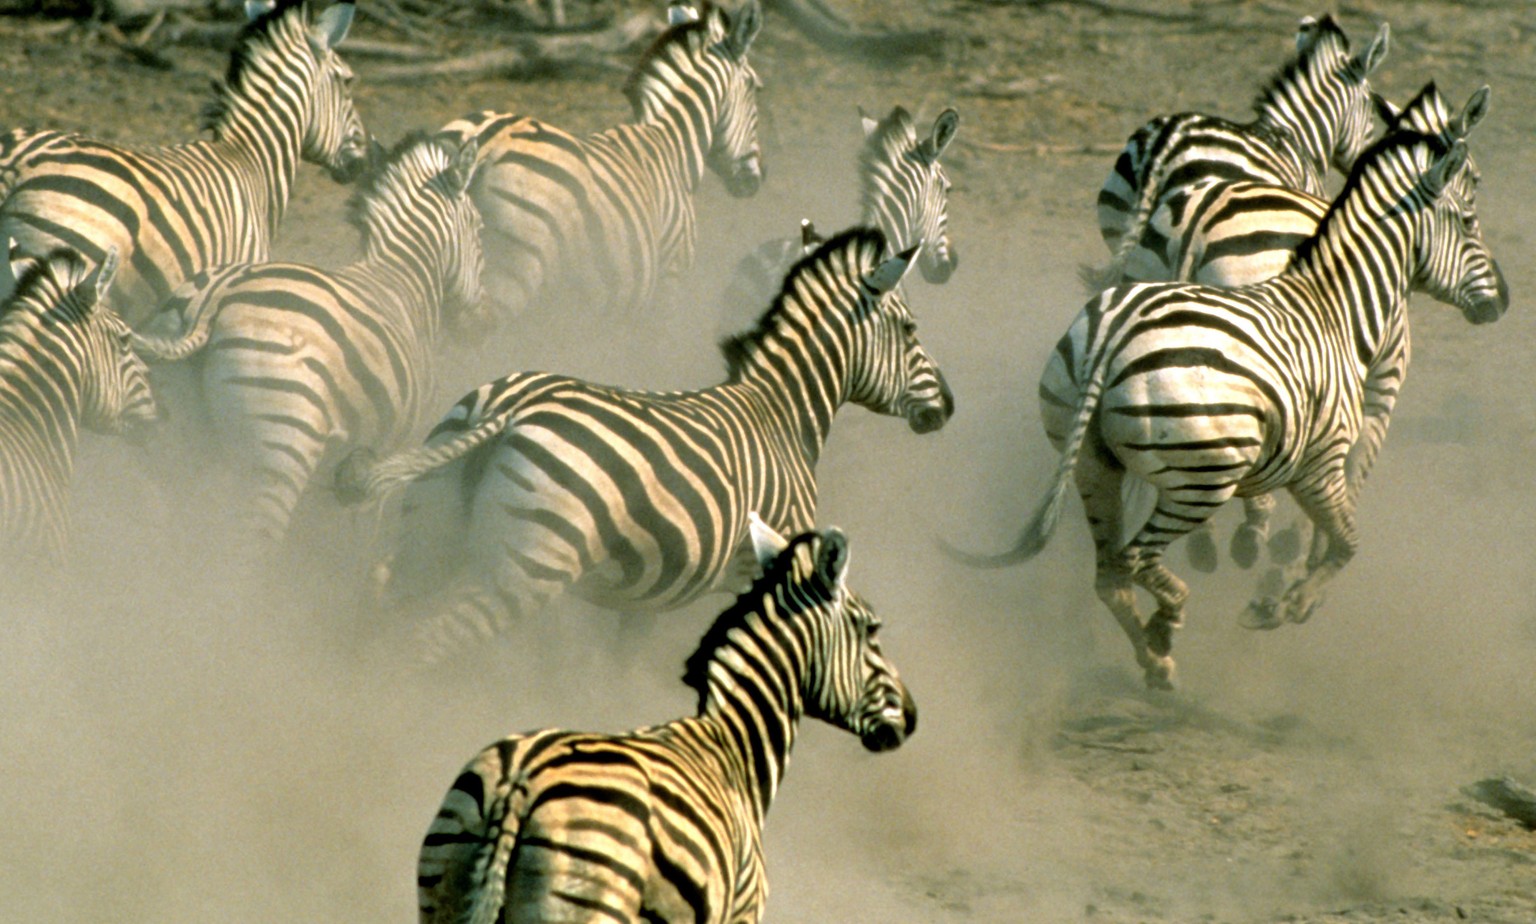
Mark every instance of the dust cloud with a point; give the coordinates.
(188, 735)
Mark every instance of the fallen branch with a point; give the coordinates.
(529, 54)
(1041, 149)
(830, 30)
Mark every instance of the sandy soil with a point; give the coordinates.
(184, 743)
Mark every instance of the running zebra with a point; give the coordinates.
(1207, 393)
(67, 364)
(1319, 110)
(904, 192)
(174, 211)
(537, 483)
(602, 220)
(665, 823)
(300, 364)
(1233, 234)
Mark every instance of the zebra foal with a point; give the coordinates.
(603, 219)
(665, 823)
(537, 483)
(174, 211)
(65, 363)
(1207, 393)
(1319, 110)
(299, 364)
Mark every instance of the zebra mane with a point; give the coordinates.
(62, 268)
(257, 33)
(415, 160)
(685, 35)
(738, 348)
(1426, 112)
(735, 616)
(1331, 39)
(1393, 141)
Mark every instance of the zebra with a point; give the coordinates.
(1319, 110)
(174, 211)
(300, 363)
(904, 192)
(665, 823)
(67, 364)
(1206, 393)
(601, 220)
(1234, 234)
(535, 482)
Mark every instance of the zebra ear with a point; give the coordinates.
(832, 558)
(869, 125)
(809, 239)
(888, 275)
(331, 27)
(255, 9)
(679, 13)
(461, 167)
(10, 270)
(96, 283)
(766, 542)
(743, 27)
(1471, 114)
(1442, 171)
(1306, 33)
(944, 128)
(1371, 58)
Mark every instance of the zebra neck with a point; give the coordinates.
(405, 275)
(800, 393)
(39, 410)
(890, 208)
(1349, 287)
(1305, 135)
(755, 699)
(681, 123)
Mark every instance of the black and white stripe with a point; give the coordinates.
(65, 363)
(1207, 393)
(537, 483)
(1318, 111)
(903, 191)
(299, 364)
(172, 212)
(665, 823)
(598, 222)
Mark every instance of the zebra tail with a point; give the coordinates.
(363, 476)
(195, 333)
(1096, 279)
(1037, 532)
(491, 892)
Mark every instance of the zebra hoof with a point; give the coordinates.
(1201, 550)
(1285, 545)
(1263, 613)
(1245, 546)
(1160, 673)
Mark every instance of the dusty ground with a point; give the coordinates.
(180, 744)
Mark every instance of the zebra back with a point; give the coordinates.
(65, 363)
(1319, 110)
(600, 221)
(542, 825)
(300, 364)
(174, 211)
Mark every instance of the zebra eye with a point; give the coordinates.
(909, 328)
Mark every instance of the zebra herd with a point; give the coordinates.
(1246, 336)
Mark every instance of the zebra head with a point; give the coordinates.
(892, 372)
(1328, 92)
(735, 154)
(1453, 261)
(334, 136)
(905, 190)
(414, 203)
(70, 295)
(847, 681)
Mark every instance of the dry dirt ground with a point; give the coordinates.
(182, 743)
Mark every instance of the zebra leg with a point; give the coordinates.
(520, 588)
(1254, 530)
(1200, 546)
(1332, 514)
(1099, 484)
